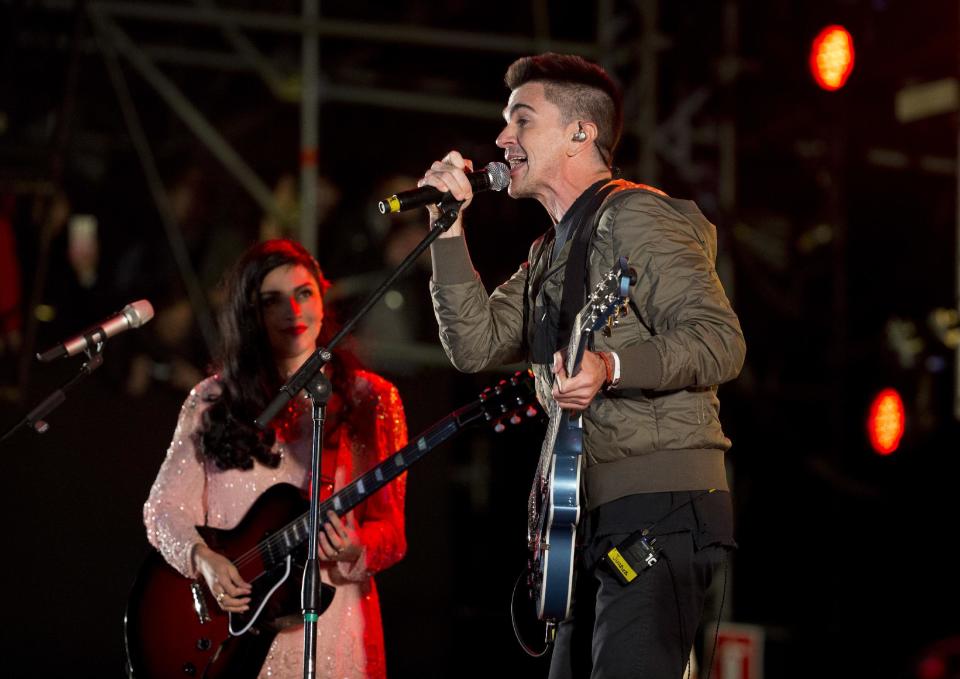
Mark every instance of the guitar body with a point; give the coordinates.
(560, 513)
(555, 506)
(174, 628)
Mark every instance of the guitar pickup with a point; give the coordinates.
(199, 602)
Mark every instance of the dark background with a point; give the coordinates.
(841, 234)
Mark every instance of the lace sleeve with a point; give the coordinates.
(176, 502)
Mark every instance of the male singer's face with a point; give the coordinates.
(533, 141)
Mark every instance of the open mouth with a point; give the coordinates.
(516, 162)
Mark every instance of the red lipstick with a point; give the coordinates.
(296, 330)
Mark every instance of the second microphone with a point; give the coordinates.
(494, 177)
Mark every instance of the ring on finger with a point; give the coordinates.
(220, 596)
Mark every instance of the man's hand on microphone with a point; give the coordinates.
(450, 175)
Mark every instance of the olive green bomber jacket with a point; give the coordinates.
(660, 429)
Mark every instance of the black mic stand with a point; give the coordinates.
(319, 390)
(35, 417)
(310, 378)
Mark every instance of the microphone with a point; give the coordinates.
(133, 315)
(495, 176)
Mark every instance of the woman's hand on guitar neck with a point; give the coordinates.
(223, 579)
(338, 539)
(576, 393)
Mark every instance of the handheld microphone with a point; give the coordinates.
(495, 177)
(133, 315)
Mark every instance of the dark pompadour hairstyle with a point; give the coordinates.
(579, 88)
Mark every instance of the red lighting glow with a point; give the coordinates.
(831, 57)
(886, 421)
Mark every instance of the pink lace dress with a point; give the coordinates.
(190, 491)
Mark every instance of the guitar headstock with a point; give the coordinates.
(505, 401)
(608, 300)
(605, 305)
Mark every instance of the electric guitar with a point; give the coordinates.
(174, 628)
(555, 499)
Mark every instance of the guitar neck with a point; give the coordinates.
(577, 344)
(358, 490)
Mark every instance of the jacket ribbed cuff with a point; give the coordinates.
(451, 261)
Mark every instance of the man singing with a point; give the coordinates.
(653, 445)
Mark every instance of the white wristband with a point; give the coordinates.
(616, 369)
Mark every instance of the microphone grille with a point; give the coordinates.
(499, 175)
(138, 313)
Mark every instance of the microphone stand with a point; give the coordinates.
(309, 377)
(35, 417)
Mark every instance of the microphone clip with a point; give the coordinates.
(449, 211)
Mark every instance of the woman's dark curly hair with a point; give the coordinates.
(248, 373)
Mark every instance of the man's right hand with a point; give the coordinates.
(450, 175)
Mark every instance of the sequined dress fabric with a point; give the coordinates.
(191, 491)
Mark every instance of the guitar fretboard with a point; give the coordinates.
(493, 404)
(291, 536)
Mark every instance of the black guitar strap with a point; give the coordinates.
(576, 275)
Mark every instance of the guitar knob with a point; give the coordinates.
(499, 427)
(189, 669)
(203, 644)
(531, 411)
(515, 419)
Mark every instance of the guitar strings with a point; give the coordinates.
(277, 538)
(369, 479)
(348, 493)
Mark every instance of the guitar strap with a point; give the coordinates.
(575, 274)
(575, 284)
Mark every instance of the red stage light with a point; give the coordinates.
(886, 421)
(831, 57)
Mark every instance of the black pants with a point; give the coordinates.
(645, 629)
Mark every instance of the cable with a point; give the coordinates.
(723, 596)
(676, 597)
(513, 621)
